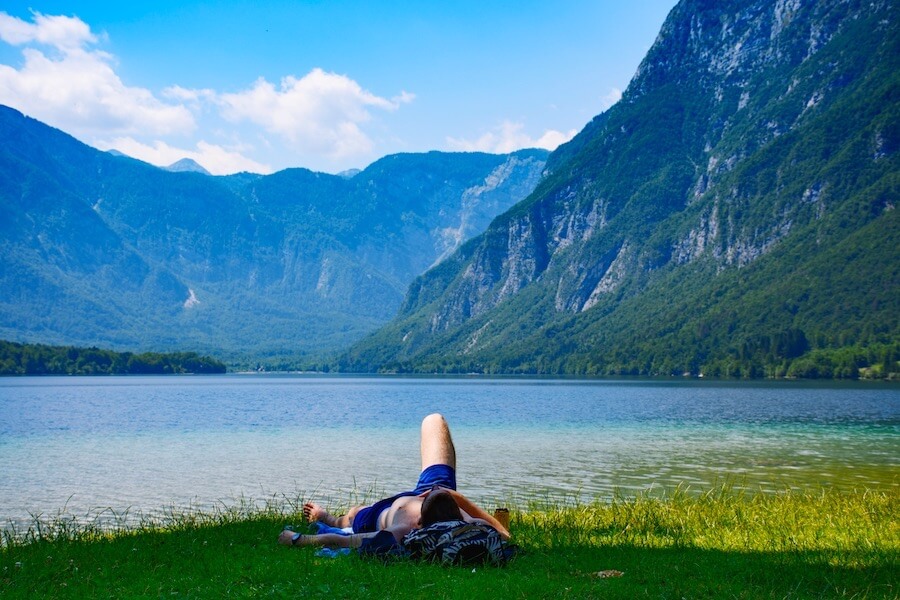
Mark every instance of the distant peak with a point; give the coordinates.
(187, 165)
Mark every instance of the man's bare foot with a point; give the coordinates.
(313, 512)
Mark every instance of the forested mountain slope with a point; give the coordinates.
(734, 213)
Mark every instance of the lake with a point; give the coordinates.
(126, 446)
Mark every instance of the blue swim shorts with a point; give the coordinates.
(366, 520)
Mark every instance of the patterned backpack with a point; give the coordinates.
(457, 543)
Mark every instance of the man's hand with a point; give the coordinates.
(287, 538)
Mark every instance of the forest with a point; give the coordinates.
(39, 359)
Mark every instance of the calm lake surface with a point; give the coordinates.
(147, 445)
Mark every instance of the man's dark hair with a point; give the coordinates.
(440, 506)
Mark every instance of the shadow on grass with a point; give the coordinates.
(699, 573)
(242, 560)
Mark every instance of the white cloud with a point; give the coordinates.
(215, 159)
(77, 89)
(176, 92)
(58, 31)
(66, 81)
(319, 113)
(509, 137)
(403, 98)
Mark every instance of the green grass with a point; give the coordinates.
(718, 544)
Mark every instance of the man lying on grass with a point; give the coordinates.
(433, 500)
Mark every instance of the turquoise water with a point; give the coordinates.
(128, 446)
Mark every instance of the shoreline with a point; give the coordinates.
(108, 523)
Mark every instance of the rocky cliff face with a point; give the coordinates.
(747, 126)
(104, 250)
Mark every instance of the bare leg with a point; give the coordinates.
(437, 445)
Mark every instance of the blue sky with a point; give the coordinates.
(262, 86)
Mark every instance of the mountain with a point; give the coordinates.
(734, 213)
(109, 251)
(187, 165)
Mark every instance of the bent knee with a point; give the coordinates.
(434, 419)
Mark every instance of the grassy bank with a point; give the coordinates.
(720, 544)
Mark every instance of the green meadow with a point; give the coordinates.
(718, 543)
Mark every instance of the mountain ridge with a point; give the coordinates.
(107, 250)
(187, 165)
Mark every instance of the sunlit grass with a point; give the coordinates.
(718, 543)
(721, 519)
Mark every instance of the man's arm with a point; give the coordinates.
(354, 540)
(475, 511)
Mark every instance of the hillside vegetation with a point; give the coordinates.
(733, 215)
(104, 250)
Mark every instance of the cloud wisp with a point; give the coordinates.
(509, 137)
(607, 101)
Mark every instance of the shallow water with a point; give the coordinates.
(140, 445)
